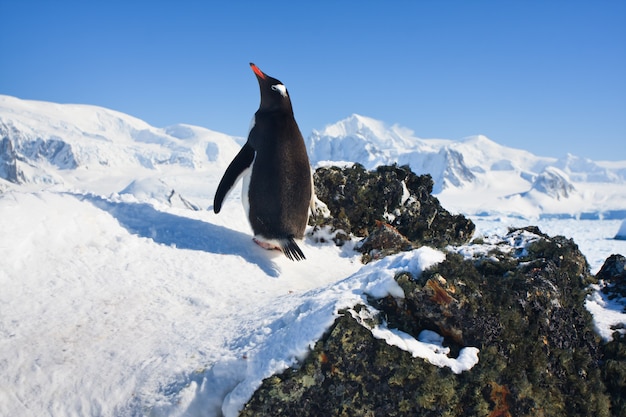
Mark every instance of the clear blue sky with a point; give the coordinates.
(546, 76)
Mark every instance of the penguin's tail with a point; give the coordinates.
(291, 249)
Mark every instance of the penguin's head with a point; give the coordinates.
(274, 95)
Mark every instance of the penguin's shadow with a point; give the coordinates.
(144, 220)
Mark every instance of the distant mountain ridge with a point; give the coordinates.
(46, 143)
(371, 143)
(49, 144)
(477, 175)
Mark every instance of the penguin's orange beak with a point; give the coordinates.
(257, 71)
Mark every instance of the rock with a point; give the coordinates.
(614, 372)
(382, 241)
(519, 299)
(350, 373)
(393, 195)
(326, 227)
(613, 272)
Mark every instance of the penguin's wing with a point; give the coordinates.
(242, 161)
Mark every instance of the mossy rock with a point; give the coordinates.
(395, 195)
(524, 310)
(613, 273)
(614, 372)
(527, 316)
(382, 241)
(613, 276)
(350, 373)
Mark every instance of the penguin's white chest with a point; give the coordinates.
(246, 175)
(245, 188)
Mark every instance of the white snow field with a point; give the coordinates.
(123, 294)
(121, 308)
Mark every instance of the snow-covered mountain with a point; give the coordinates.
(554, 183)
(476, 175)
(371, 143)
(69, 146)
(48, 144)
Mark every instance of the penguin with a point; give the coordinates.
(277, 182)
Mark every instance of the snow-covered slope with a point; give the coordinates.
(111, 306)
(478, 176)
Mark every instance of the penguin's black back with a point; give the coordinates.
(280, 183)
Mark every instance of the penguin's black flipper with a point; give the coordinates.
(242, 161)
(291, 249)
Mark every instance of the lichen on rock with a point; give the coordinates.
(391, 200)
(383, 240)
(351, 373)
(613, 273)
(518, 298)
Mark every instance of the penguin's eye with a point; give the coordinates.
(281, 89)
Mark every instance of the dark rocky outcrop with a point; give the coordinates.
(350, 373)
(359, 201)
(614, 372)
(613, 273)
(519, 299)
(383, 240)
(524, 309)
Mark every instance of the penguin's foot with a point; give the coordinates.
(267, 245)
(288, 246)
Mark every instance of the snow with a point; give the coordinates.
(123, 294)
(428, 345)
(514, 243)
(111, 307)
(608, 315)
(117, 300)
